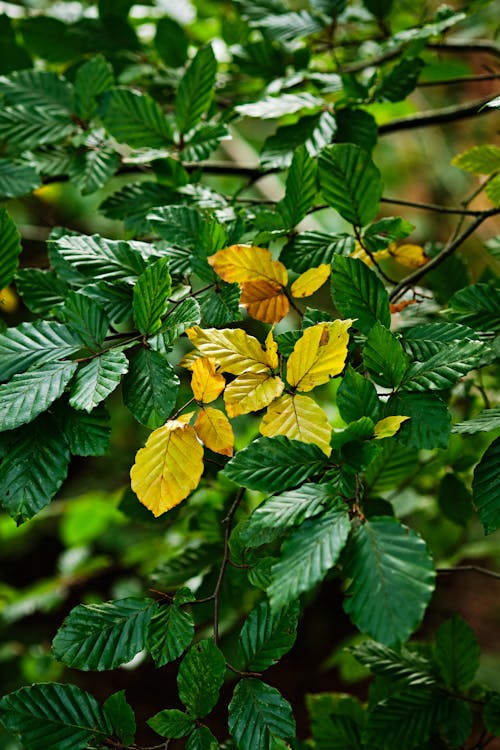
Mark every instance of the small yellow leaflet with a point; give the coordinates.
(318, 355)
(241, 263)
(264, 301)
(411, 256)
(215, 431)
(251, 392)
(310, 281)
(272, 350)
(388, 427)
(234, 350)
(207, 384)
(298, 418)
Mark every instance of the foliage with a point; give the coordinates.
(287, 379)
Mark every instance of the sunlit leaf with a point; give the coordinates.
(206, 383)
(240, 263)
(215, 431)
(298, 417)
(233, 349)
(388, 427)
(264, 301)
(411, 256)
(310, 281)
(318, 355)
(485, 488)
(251, 392)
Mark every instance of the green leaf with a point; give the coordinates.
(384, 357)
(491, 714)
(271, 107)
(477, 306)
(115, 299)
(150, 387)
(180, 225)
(65, 716)
(10, 248)
(429, 424)
(171, 42)
(17, 179)
(170, 632)
(151, 293)
(357, 397)
(398, 666)
(172, 723)
(94, 77)
(350, 182)
(400, 81)
(308, 554)
(90, 170)
(103, 636)
(379, 8)
(100, 258)
(98, 379)
(30, 393)
(27, 127)
(455, 501)
(456, 721)
(41, 291)
(485, 421)
(200, 678)
(37, 88)
(259, 715)
(192, 560)
(277, 514)
(310, 249)
(33, 469)
(457, 653)
(486, 488)
(287, 27)
(14, 56)
(300, 188)
(392, 580)
(406, 720)
(266, 636)
(275, 463)
(483, 159)
(357, 126)
(121, 717)
(312, 131)
(380, 234)
(86, 318)
(358, 293)
(202, 739)
(196, 90)
(390, 467)
(337, 721)
(221, 307)
(87, 434)
(332, 8)
(426, 340)
(135, 118)
(443, 369)
(492, 190)
(133, 202)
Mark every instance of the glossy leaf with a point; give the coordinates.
(86, 434)
(298, 417)
(17, 179)
(121, 716)
(170, 632)
(477, 306)
(337, 721)
(151, 293)
(266, 636)
(388, 427)
(150, 387)
(310, 249)
(485, 488)
(444, 368)
(94, 77)
(101, 259)
(96, 380)
(86, 318)
(404, 666)
(406, 720)
(234, 350)
(10, 248)
(357, 397)
(135, 119)
(264, 301)
(202, 739)
(206, 383)
(384, 357)
(259, 715)
(310, 281)
(172, 723)
(430, 421)
(318, 355)
(241, 263)
(300, 188)
(215, 431)
(34, 343)
(485, 421)
(457, 653)
(91, 170)
(196, 89)
(251, 392)
(200, 678)
(359, 293)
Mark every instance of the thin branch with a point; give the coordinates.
(479, 46)
(371, 256)
(470, 568)
(459, 79)
(432, 207)
(225, 559)
(373, 62)
(437, 116)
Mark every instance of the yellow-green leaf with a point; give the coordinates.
(388, 427)
(318, 355)
(169, 466)
(234, 350)
(215, 431)
(206, 383)
(310, 281)
(298, 418)
(264, 300)
(411, 256)
(252, 391)
(241, 263)
(272, 350)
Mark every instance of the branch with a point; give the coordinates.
(460, 79)
(437, 116)
(432, 207)
(470, 568)
(479, 46)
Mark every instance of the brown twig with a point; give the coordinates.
(225, 559)
(437, 116)
(469, 568)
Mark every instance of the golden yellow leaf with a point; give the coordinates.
(215, 431)
(388, 427)
(396, 307)
(264, 300)
(318, 355)
(251, 392)
(298, 418)
(206, 383)
(9, 301)
(169, 466)
(234, 350)
(360, 252)
(272, 350)
(310, 281)
(411, 256)
(242, 263)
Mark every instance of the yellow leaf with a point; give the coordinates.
(251, 392)
(360, 252)
(169, 466)
(388, 427)
(298, 418)
(411, 256)
(310, 281)
(272, 350)
(264, 300)
(234, 350)
(9, 301)
(242, 263)
(206, 383)
(215, 431)
(318, 355)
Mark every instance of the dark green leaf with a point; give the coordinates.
(357, 126)
(103, 636)
(27, 127)
(300, 188)
(196, 89)
(200, 678)
(135, 119)
(33, 469)
(151, 294)
(485, 421)
(350, 182)
(17, 179)
(10, 248)
(184, 315)
(86, 318)
(331, 8)
(150, 387)
(14, 57)
(266, 636)
(179, 225)
(41, 291)
(87, 434)
(64, 715)
(425, 340)
(259, 715)
(170, 632)
(172, 723)
(90, 170)
(309, 249)
(39, 88)
(390, 468)
(379, 8)
(486, 488)
(443, 369)
(96, 380)
(357, 397)
(456, 721)
(94, 77)
(133, 202)
(171, 42)
(392, 580)
(398, 666)
(275, 463)
(337, 721)
(202, 739)
(384, 357)
(457, 653)
(191, 561)
(308, 554)
(454, 499)
(313, 131)
(380, 234)
(399, 82)
(406, 720)
(477, 306)
(491, 714)
(358, 293)
(286, 27)
(121, 717)
(115, 299)
(429, 423)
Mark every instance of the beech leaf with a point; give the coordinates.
(215, 431)
(318, 355)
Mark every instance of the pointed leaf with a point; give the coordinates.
(168, 467)
(406, 720)
(486, 488)
(103, 636)
(457, 653)
(491, 714)
(276, 463)
(477, 306)
(121, 717)
(484, 159)
(10, 248)
(240, 263)
(410, 256)
(215, 431)
(300, 188)
(171, 42)
(172, 723)
(259, 716)
(150, 387)
(337, 721)
(98, 379)
(275, 106)
(298, 417)
(206, 383)
(170, 632)
(485, 421)
(309, 249)
(313, 131)
(264, 301)
(17, 179)
(41, 290)
(392, 580)
(388, 427)
(234, 350)
(398, 666)
(34, 343)
(151, 293)
(444, 368)
(429, 423)
(135, 119)
(308, 554)
(318, 355)
(310, 281)
(94, 77)
(196, 89)
(200, 678)
(86, 318)
(357, 397)
(359, 293)
(251, 391)
(91, 170)
(28, 127)
(202, 739)
(384, 357)
(266, 636)
(87, 434)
